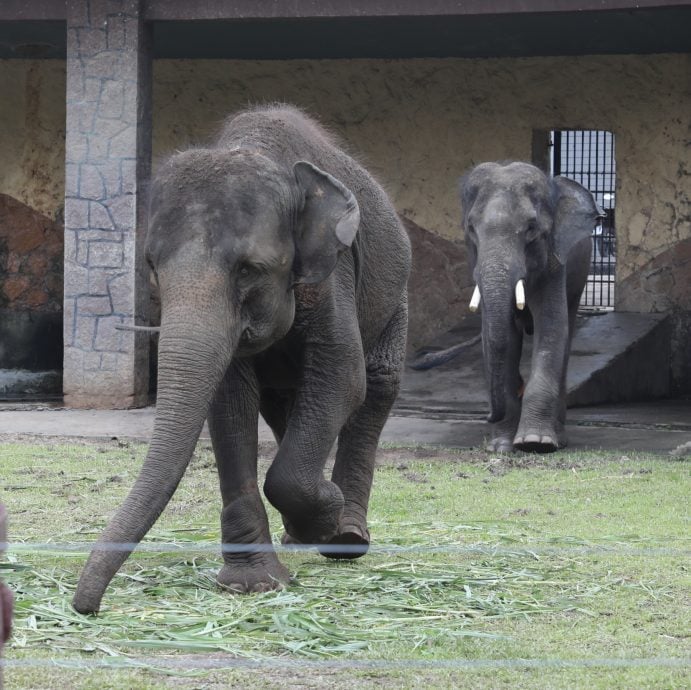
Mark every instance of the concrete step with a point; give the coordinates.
(619, 357)
(615, 357)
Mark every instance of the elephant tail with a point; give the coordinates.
(428, 360)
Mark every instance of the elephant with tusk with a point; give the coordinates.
(528, 238)
(282, 269)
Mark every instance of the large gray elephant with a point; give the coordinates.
(528, 239)
(282, 269)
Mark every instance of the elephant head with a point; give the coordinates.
(230, 234)
(520, 228)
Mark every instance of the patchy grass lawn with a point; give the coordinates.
(568, 570)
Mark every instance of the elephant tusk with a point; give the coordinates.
(144, 329)
(475, 300)
(520, 295)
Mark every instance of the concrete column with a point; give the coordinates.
(107, 166)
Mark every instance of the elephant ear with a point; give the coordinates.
(575, 215)
(326, 226)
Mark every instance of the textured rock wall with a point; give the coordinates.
(439, 288)
(31, 263)
(31, 298)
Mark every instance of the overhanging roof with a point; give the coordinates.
(271, 29)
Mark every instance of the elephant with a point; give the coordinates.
(529, 247)
(282, 268)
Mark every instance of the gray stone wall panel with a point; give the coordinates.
(107, 149)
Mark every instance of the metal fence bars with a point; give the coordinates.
(587, 156)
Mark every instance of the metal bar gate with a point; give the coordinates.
(587, 156)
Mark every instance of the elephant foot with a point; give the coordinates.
(263, 573)
(290, 540)
(321, 531)
(536, 441)
(317, 518)
(308, 517)
(352, 541)
(502, 434)
(499, 444)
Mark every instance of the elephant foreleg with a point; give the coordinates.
(332, 388)
(233, 424)
(357, 443)
(541, 428)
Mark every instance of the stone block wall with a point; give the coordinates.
(107, 154)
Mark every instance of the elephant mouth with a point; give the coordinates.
(250, 344)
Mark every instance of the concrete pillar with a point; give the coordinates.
(107, 166)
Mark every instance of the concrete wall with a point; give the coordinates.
(32, 133)
(417, 124)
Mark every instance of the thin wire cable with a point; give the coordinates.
(190, 663)
(195, 547)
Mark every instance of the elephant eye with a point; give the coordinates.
(531, 231)
(247, 271)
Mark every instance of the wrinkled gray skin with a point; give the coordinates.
(282, 268)
(520, 224)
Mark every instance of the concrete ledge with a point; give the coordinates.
(620, 357)
(22, 383)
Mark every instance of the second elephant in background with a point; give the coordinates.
(529, 246)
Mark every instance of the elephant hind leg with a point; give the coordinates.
(357, 443)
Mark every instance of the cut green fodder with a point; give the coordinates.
(331, 609)
(472, 559)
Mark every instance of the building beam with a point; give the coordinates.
(190, 10)
(36, 10)
(107, 166)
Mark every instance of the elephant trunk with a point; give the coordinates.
(498, 302)
(195, 350)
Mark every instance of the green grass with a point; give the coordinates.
(569, 570)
